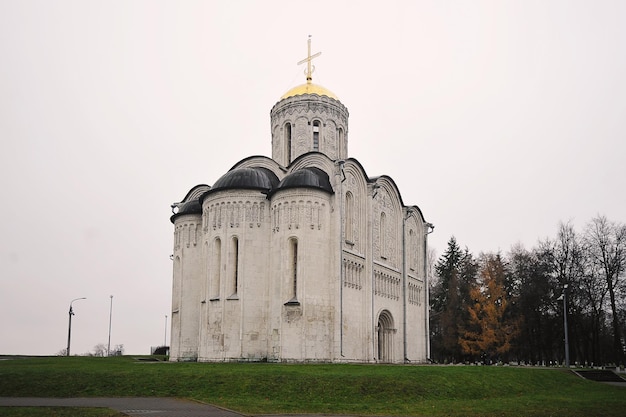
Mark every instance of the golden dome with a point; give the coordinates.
(309, 88)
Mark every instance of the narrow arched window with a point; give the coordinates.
(293, 271)
(341, 145)
(412, 250)
(177, 290)
(383, 236)
(349, 217)
(235, 266)
(287, 138)
(294, 267)
(316, 135)
(216, 268)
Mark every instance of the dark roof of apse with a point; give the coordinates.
(310, 177)
(263, 179)
(191, 203)
(257, 178)
(190, 207)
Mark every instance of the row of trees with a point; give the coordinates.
(510, 307)
(99, 350)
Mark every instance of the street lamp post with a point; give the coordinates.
(165, 337)
(564, 298)
(110, 316)
(565, 325)
(69, 329)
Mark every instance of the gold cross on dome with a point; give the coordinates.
(309, 68)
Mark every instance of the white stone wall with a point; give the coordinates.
(302, 327)
(187, 287)
(357, 335)
(236, 233)
(417, 296)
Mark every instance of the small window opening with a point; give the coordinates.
(383, 236)
(293, 271)
(349, 217)
(316, 136)
(287, 137)
(235, 268)
(216, 268)
(341, 144)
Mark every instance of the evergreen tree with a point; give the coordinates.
(454, 270)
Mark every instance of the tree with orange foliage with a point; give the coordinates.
(489, 331)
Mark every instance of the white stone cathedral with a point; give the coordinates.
(302, 257)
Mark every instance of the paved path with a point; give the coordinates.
(150, 407)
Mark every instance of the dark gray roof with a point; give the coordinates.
(190, 207)
(257, 178)
(310, 177)
(191, 203)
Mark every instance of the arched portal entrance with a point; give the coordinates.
(385, 331)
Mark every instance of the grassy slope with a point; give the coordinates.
(340, 389)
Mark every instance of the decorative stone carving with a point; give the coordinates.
(386, 283)
(352, 272)
(331, 144)
(186, 234)
(304, 109)
(238, 213)
(294, 215)
(415, 293)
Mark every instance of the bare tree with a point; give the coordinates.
(565, 255)
(593, 290)
(118, 350)
(607, 245)
(100, 350)
(568, 254)
(534, 286)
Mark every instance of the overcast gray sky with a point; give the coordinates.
(497, 118)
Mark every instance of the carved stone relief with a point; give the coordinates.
(238, 214)
(294, 215)
(277, 142)
(386, 284)
(330, 140)
(415, 293)
(353, 273)
(385, 235)
(186, 234)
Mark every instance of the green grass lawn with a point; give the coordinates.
(266, 388)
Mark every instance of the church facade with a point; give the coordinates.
(301, 257)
